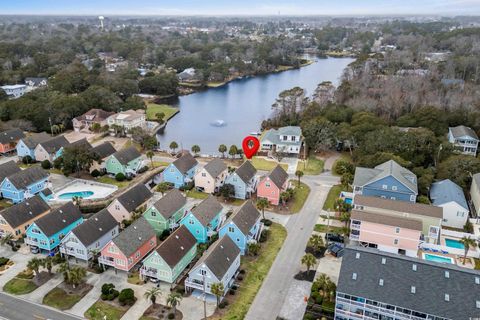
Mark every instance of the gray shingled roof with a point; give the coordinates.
(447, 191)
(82, 142)
(54, 144)
(58, 219)
(364, 176)
(33, 140)
(246, 171)
(24, 178)
(400, 206)
(278, 176)
(207, 210)
(389, 220)
(24, 211)
(273, 135)
(185, 162)
(134, 236)
(220, 256)
(99, 115)
(176, 246)
(461, 131)
(104, 150)
(124, 156)
(134, 197)
(170, 203)
(95, 227)
(245, 217)
(11, 136)
(215, 167)
(398, 276)
(7, 169)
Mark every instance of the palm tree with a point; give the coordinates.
(217, 289)
(76, 200)
(152, 294)
(34, 264)
(47, 263)
(150, 155)
(7, 239)
(262, 203)
(309, 261)
(75, 276)
(345, 218)
(163, 187)
(467, 243)
(195, 149)
(284, 196)
(222, 149)
(173, 300)
(316, 242)
(173, 146)
(299, 174)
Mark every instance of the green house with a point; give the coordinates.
(126, 161)
(171, 257)
(166, 212)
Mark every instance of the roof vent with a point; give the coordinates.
(414, 267)
(135, 227)
(447, 297)
(140, 238)
(63, 220)
(380, 282)
(60, 211)
(221, 246)
(96, 219)
(357, 255)
(176, 237)
(181, 248)
(228, 259)
(30, 212)
(413, 289)
(100, 229)
(27, 203)
(384, 260)
(447, 274)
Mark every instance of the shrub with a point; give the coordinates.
(234, 287)
(341, 166)
(57, 259)
(242, 271)
(3, 261)
(239, 277)
(267, 222)
(223, 304)
(27, 160)
(107, 288)
(103, 297)
(186, 187)
(120, 177)
(95, 173)
(171, 316)
(317, 297)
(232, 292)
(46, 164)
(127, 297)
(264, 236)
(142, 169)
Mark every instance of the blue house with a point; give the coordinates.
(24, 184)
(243, 227)
(47, 232)
(388, 180)
(203, 220)
(26, 146)
(181, 171)
(243, 180)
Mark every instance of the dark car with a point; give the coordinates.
(336, 249)
(334, 237)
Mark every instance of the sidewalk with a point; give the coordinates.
(38, 294)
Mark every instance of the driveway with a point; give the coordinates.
(20, 261)
(330, 266)
(292, 164)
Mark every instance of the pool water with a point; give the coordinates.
(348, 201)
(80, 194)
(454, 244)
(435, 258)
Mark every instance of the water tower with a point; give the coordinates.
(101, 18)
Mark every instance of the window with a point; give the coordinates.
(460, 214)
(204, 174)
(393, 198)
(190, 221)
(231, 229)
(412, 197)
(395, 241)
(267, 184)
(203, 272)
(384, 260)
(137, 254)
(357, 255)
(397, 230)
(238, 239)
(477, 280)
(354, 276)
(447, 297)
(172, 170)
(152, 243)
(385, 187)
(412, 289)
(113, 232)
(120, 262)
(293, 138)
(414, 267)
(380, 282)
(285, 138)
(130, 260)
(117, 207)
(112, 249)
(447, 274)
(153, 213)
(394, 188)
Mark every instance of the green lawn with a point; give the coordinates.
(299, 197)
(312, 166)
(256, 271)
(333, 195)
(266, 165)
(197, 194)
(110, 180)
(324, 228)
(101, 309)
(60, 299)
(153, 109)
(157, 164)
(19, 286)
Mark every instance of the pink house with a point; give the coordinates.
(128, 248)
(386, 232)
(272, 185)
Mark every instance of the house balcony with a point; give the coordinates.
(355, 226)
(148, 272)
(211, 233)
(195, 284)
(354, 237)
(31, 242)
(106, 261)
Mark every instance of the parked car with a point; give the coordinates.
(34, 250)
(336, 249)
(334, 237)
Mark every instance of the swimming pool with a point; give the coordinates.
(454, 244)
(80, 194)
(435, 258)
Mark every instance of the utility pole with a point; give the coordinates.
(204, 300)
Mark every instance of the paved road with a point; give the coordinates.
(18, 309)
(275, 288)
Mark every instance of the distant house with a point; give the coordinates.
(218, 264)
(15, 220)
(204, 219)
(92, 116)
(475, 192)
(243, 226)
(50, 149)
(128, 119)
(388, 180)
(181, 171)
(126, 161)
(24, 184)
(171, 257)
(14, 91)
(449, 196)
(91, 236)
(9, 140)
(130, 246)
(463, 139)
(284, 140)
(7, 169)
(272, 185)
(243, 180)
(26, 146)
(166, 212)
(122, 207)
(47, 232)
(187, 75)
(34, 83)
(102, 151)
(211, 177)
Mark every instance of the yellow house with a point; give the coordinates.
(211, 177)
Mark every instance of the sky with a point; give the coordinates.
(242, 7)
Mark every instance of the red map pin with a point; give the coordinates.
(250, 146)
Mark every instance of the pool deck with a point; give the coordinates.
(101, 190)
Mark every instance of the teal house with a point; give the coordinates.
(171, 257)
(127, 161)
(47, 232)
(203, 220)
(166, 212)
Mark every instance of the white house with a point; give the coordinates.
(285, 139)
(449, 196)
(128, 119)
(14, 91)
(464, 139)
